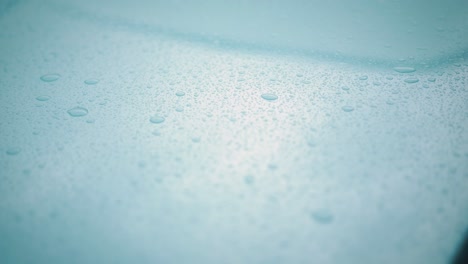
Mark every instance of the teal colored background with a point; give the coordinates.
(233, 131)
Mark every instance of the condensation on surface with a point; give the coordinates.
(122, 143)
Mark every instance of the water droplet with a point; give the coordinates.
(272, 166)
(13, 151)
(157, 119)
(411, 80)
(180, 93)
(322, 216)
(196, 139)
(345, 88)
(347, 108)
(78, 111)
(431, 79)
(269, 96)
(404, 69)
(142, 164)
(179, 109)
(50, 77)
(249, 179)
(312, 143)
(363, 78)
(91, 81)
(43, 98)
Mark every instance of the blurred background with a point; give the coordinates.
(233, 131)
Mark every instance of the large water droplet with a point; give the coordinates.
(78, 111)
(50, 77)
(269, 96)
(347, 108)
(157, 119)
(91, 81)
(404, 69)
(411, 80)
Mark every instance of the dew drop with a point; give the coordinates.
(347, 108)
(13, 151)
(157, 119)
(91, 81)
(180, 93)
(272, 166)
(249, 179)
(411, 80)
(43, 98)
(50, 77)
(269, 96)
(404, 69)
(78, 111)
(322, 216)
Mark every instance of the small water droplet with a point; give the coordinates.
(50, 77)
(43, 98)
(78, 111)
(322, 216)
(347, 108)
(196, 139)
(157, 119)
(411, 80)
(269, 96)
(13, 151)
(180, 93)
(345, 88)
(404, 69)
(142, 164)
(311, 143)
(431, 79)
(249, 179)
(363, 78)
(272, 166)
(91, 81)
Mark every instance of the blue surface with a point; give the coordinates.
(240, 132)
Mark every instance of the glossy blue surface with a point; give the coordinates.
(233, 132)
